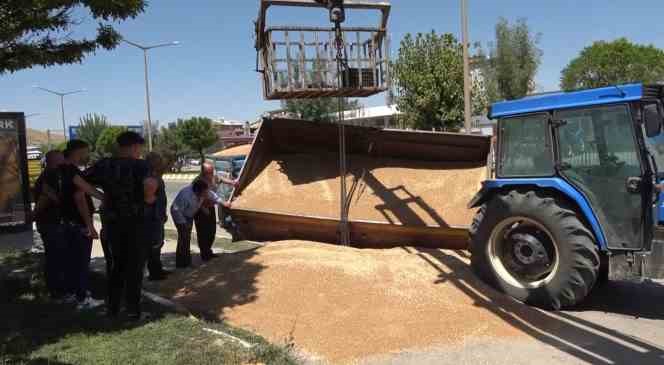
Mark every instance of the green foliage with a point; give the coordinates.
(509, 68)
(197, 133)
(318, 109)
(39, 32)
(429, 76)
(61, 146)
(170, 145)
(91, 127)
(611, 63)
(106, 144)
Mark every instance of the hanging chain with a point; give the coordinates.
(342, 67)
(342, 61)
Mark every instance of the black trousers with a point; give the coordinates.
(128, 250)
(78, 255)
(155, 267)
(55, 247)
(206, 231)
(183, 251)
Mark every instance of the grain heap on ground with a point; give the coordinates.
(396, 191)
(343, 304)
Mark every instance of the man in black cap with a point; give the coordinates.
(127, 188)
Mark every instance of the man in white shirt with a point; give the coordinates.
(185, 206)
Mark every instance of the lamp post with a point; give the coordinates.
(466, 66)
(62, 103)
(145, 50)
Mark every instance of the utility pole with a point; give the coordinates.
(466, 66)
(145, 50)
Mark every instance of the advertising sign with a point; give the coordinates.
(14, 183)
(73, 130)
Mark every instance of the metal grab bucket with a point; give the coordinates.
(299, 62)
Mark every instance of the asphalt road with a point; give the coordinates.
(619, 323)
(172, 188)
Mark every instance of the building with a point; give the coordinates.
(384, 116)
(232, 133)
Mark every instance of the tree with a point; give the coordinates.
(611, 63)
(169, 144)
(91, 126)
(509, 68)
(39, 32)
(428, 75)
(198, 134)
(318, 109)
(106, 144)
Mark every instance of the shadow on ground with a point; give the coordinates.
(30, 320)
(587, 341)
(209, 288)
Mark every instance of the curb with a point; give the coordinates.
(179, 177)
(184, 311)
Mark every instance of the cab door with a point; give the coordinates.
(598, 154)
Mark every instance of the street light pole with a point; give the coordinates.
(147, 99)
(62, 109)
(62, 104)
(466, 66)
(145, 50)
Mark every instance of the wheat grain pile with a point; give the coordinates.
(415, 193)
(343, 305)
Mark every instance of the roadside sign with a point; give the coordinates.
(14, 199)
(73, 130)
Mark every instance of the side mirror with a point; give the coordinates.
(652, 119)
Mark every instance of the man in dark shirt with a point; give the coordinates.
(155, 218)
(76, 207)
(124, 180)
(49, 224)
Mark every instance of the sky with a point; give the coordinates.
(211, 73)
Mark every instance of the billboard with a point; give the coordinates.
(73, 130)
(14, 182)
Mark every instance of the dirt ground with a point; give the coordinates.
(381, 189)
(342, 305)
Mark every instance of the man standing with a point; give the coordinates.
(206, 218)
(77, 211)
(155, 218)
(48, 217)
(186, 205)
(124, 179)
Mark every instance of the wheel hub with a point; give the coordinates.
(529, 250)
(523, 252)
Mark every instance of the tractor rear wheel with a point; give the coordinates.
(534, 247)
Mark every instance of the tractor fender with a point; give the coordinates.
(489, 187)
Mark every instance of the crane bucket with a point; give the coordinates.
(299, 62)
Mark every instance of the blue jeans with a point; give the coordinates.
(79, 252)
(55, 250)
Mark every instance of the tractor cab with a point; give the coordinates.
(576, 186)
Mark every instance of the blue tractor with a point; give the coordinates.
(574, 199)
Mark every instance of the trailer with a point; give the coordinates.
(405, 187)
